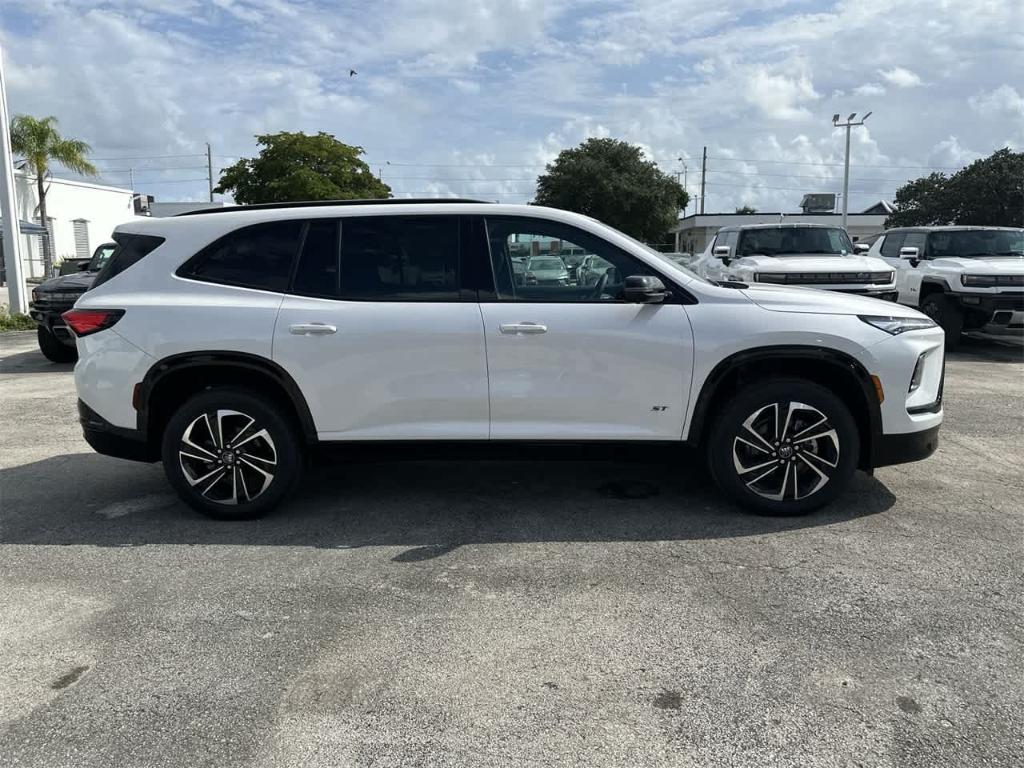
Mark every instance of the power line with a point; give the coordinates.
(144, 157)
(838, 165)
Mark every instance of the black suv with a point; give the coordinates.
(56, 296)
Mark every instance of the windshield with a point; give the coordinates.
(545, 264)
(973, 243)
(101, 257)
(789, 241)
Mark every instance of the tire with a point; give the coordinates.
(750, 469)
(949, 317)
(54, 349)
(244, 484)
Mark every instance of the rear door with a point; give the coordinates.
(378, 335)
(576, 362)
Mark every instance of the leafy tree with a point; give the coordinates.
(611, 180)
(747, 209)
(38, 141)
(989, 191)
(293, 167)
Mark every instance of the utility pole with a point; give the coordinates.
(131, 178)
(846, 166)
(9, 208)
(703, 172)
(209, 169)
(681, 160)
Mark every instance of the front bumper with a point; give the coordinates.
(49, 318)
(887, 450)
(109, 440)
(992, 313)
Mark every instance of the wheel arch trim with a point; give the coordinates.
(223, 359)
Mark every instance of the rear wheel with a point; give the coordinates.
(944, 312)
(230, 454)
(784, 447)
(54, 349)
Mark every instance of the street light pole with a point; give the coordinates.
(846, 165)
(684, 181)
(9, 209)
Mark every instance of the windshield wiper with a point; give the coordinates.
(1009, 253)
(730, 283)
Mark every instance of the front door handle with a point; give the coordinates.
(522, 329)
(312, 329)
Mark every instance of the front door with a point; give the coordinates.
(572, 360)
(376, 336)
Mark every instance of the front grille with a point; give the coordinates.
(825, 278)
(44, 304)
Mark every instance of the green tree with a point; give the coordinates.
(293, 166)
(611, 180)
(747, 209)
(39, 143)
(989, 191)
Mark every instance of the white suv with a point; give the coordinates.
(229, 343)
(964, 278)
(810, 255)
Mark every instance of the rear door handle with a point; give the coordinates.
(312, 329)
(522, 329)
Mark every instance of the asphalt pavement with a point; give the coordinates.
(610, 612)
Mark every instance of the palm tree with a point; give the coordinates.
(38, 141)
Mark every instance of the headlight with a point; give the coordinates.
(897, 325)
(35, 294)
(981, 281)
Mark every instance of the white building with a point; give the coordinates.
(694, 232)
(81, 215)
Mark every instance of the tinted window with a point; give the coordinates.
(976, 242)
(915, 240)
(259, 256)
(130, 250)
(406, 258)
(778, 241)
(548, 276)
(317, 273)
(892, 243)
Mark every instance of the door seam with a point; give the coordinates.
(487, 367)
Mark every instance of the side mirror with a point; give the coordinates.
(83, 267)
(643, 289)
(861, 247)
(720, 252)
(910, 252)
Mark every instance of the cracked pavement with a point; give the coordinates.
(611, 612)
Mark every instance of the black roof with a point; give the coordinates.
(318, 203)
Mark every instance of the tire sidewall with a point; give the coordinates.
(268, 415)
(946, 315)
(54, 349)
(758, 395)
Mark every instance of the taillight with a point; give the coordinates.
(86, 321)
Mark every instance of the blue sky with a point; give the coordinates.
(473, 98)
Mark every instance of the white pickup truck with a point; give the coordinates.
(964, 278)
(808, 255)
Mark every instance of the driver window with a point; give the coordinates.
(538, 260)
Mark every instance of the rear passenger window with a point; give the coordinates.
(400, 258)
(317, 274)
(260, 256)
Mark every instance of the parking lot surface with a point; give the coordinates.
(526, 613)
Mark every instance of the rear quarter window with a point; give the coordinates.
(259, 256)
(130, 250)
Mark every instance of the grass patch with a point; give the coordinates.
(9, 322)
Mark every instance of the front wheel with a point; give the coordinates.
(947, 315)
(784, 447)
(230, 454)
(54, 349)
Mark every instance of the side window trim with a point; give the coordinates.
(186, 271)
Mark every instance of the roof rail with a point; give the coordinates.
(317, 203)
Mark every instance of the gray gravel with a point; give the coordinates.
(511, 614)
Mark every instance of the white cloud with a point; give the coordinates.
(1003, 101)
(870, 89)
(779, 96)
(900, 77)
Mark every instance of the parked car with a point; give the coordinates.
(53, 297)
(231, 342)
(546, 270)
(811, 255)
(964, 278)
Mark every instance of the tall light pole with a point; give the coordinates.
(681, 160)
(9, 209)
(846, 166)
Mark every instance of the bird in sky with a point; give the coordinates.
(352, 73)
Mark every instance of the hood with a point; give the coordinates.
(991, 265)
(812, 263)
(780, 298)
(76, 281)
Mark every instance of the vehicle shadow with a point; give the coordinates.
(429, 507)
(32, 361)
(974, 349)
